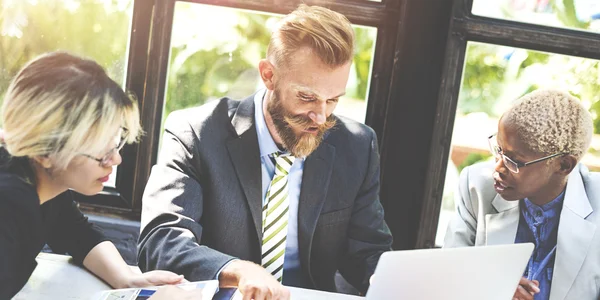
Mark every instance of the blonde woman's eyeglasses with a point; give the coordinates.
(120, 141)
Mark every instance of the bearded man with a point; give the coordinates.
(274, 188)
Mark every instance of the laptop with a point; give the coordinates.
(469, 273)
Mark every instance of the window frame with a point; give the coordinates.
(117, 201)
(466, 27)
(146, 77)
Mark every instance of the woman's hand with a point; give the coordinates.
(175, 293)
(153, 278)
(105, 261)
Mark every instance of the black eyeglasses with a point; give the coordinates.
(510, 164)
(120, 141)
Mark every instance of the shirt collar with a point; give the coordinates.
(548, 210)
(265, 141)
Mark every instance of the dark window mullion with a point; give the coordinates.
(414, 91)
(392, 4)
(440, 141)
(522, 35)
(106, 205)
(119, 200)
(154, 91)
(136, 73)
(359, 12)
(528, 36)
(109, 199)
(383, 65)
(443, 125)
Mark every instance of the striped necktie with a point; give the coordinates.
(275, 217)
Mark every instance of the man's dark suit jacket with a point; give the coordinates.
(202, 203)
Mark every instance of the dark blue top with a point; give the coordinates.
(539, 225)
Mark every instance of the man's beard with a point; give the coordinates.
(301, 145)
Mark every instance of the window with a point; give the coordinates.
(394, 86)
(404, 69)
(98, 29)
(185, 53)
(573, 14)
(491, 62)
(209, 64)
(158, 50)
(493, 77)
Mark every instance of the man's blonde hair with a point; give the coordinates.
(60, 105)
(327, 33)
(552, 121)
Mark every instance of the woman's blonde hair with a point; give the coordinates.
(60, 105)
(329, 34)
(552, 121)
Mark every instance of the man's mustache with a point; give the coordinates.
(306, 122)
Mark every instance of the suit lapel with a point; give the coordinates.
(501, 228)
(315, 183)
(575, 234)
(245, 156)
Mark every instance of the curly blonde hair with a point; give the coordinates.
(552, 121)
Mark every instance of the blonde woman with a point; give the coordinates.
(537, 191)
(64, 122)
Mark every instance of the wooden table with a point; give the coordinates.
(56, 277)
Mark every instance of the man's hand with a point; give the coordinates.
(253, 281)
(171, 292)
(526, 289)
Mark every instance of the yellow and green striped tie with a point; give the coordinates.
(275, 217)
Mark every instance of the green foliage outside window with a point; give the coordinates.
(98, 29)
(200, 68)
(495, 75)
(473, 158)
(209, 62)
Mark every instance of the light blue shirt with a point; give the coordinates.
(292, 273)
